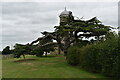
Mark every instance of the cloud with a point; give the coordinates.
(60, 0)
(22, 22)
(119, 15)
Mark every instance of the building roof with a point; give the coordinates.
(65, 13)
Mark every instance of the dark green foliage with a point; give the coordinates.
(6, 51)
(70, 32)
(111, 56)
(48, 47)
(88, 58)
(45, 44)
(99, 57)
(73, 55)
(38, 52)
(21, 50)
(81, 43)
(103, 56)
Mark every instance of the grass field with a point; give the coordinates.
(45, 67)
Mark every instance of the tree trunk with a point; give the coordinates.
(46, 54)
(76, 37)
(59, 52)
(65, 52)
(23, 56)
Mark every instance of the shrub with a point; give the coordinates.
(88, 58)
(73, 55)
(110, 56)
(102, 57)
(99, 57)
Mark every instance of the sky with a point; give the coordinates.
(22, 22)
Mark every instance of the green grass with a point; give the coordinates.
(45, 67)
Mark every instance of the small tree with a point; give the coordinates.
(6, 50)
(21, 50)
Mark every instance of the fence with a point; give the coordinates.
(8, 56)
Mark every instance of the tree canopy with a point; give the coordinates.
(68, 34)
(6, 50)
(20, 49)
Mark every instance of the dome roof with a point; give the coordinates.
(65, 13)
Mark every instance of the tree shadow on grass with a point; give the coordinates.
(47, 56)
(25, 60)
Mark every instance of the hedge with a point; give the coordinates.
(100, 57)
(73, 55)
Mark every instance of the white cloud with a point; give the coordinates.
(59, 0)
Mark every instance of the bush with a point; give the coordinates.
(110, 56)
(99, 57)
(88, 58)
(102, 57)
(73, 55)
